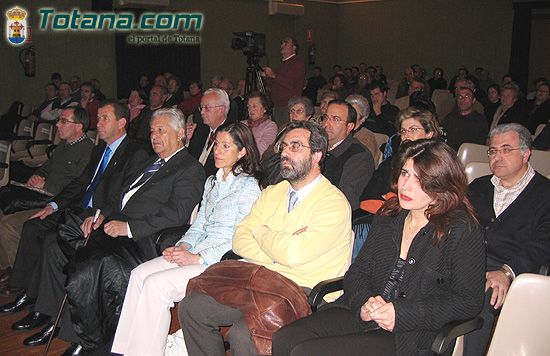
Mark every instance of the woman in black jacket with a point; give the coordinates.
(422, 266)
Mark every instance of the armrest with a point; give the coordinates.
(168, 237)
(450, 331)
(230, 255)
(32, 143)
(323, 288)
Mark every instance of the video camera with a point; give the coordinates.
(251, 43)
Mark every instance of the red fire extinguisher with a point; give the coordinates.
(27, 57)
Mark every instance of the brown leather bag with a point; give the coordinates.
(267, 300)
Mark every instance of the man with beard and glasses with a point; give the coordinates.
(300, 228)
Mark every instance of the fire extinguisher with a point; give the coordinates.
(311, 53)
(27, 57)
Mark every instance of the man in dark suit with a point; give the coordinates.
(161, 193)
(513, 205)
(94, 188)
(213, 109)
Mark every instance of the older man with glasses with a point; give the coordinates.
(513, 205)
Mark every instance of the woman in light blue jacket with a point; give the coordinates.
(155, 285)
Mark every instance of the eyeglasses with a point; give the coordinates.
(296, 111)
(294, 146)
(503, 151)
(208, 108)
(334, 119)
(64, 121)
(412, 130)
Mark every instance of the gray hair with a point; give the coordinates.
(525, 138)
(318, 138)
(362, 102)
(177, 119)
(223, 98)
(305, 101)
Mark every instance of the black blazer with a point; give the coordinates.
(166, 200)
(520, 236)
(441, 283)
(110, 186)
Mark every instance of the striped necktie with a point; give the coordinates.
(148, 173)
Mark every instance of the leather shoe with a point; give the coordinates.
(74, 349)
(41, 337)
(31, 321)
(18, 304)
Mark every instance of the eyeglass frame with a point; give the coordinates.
(412, 130)
(208, 108)
(64, 121)
(280, 147)
(492, 152)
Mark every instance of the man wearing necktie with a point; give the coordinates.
(300, 228)
(161, 193)
(100, 181)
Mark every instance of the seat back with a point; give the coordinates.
(443, 101)
(24, 131)
(44, 132)
(392, 88)
(539, 129)
(521, 328)
(471, 152)
(5, 150)
(476, 169)
(540, 160)
(380, 139)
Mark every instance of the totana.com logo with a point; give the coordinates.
(17, 30)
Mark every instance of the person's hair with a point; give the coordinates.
(511, 86)
(80, 116)
(242, 136)
(362, 102)
(508, 75)
(330, 93)
(223, 98)
(217, 77)
(318, 138)
(64, 83)
(441, 177)
(535, 82)
(425, 117)
(318, 68)
(546, 84)
(467, 84)
(352, 114)
(52, 84)
(420, 100)
(419, 80)
(137, 90)
(305, 101)
(466, 88)
(88, 84)
(438, 69)
(55, 76)
(342, 77)
(177, 119)
(196, 82)
(494, 86)
(264, 99)
(337, 66)
(525, 138)
(377, 84)
(120, 110)
(176, 78)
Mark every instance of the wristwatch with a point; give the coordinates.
(201, 260)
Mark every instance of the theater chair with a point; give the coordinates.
(23, 134)
(540, 160)
(471, 152)
(5, 150)
(36, 148)
(475, 170)
(522, 326)
(443, 101)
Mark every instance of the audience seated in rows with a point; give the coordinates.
(259, 120)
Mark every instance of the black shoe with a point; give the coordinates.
(18, 304)
(41, 337)
(74, 349)
(31, 321)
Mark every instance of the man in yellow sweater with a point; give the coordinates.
(300, 228)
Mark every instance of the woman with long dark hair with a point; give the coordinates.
(155, 285)
(422, 266)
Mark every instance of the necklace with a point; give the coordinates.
(410, 230)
